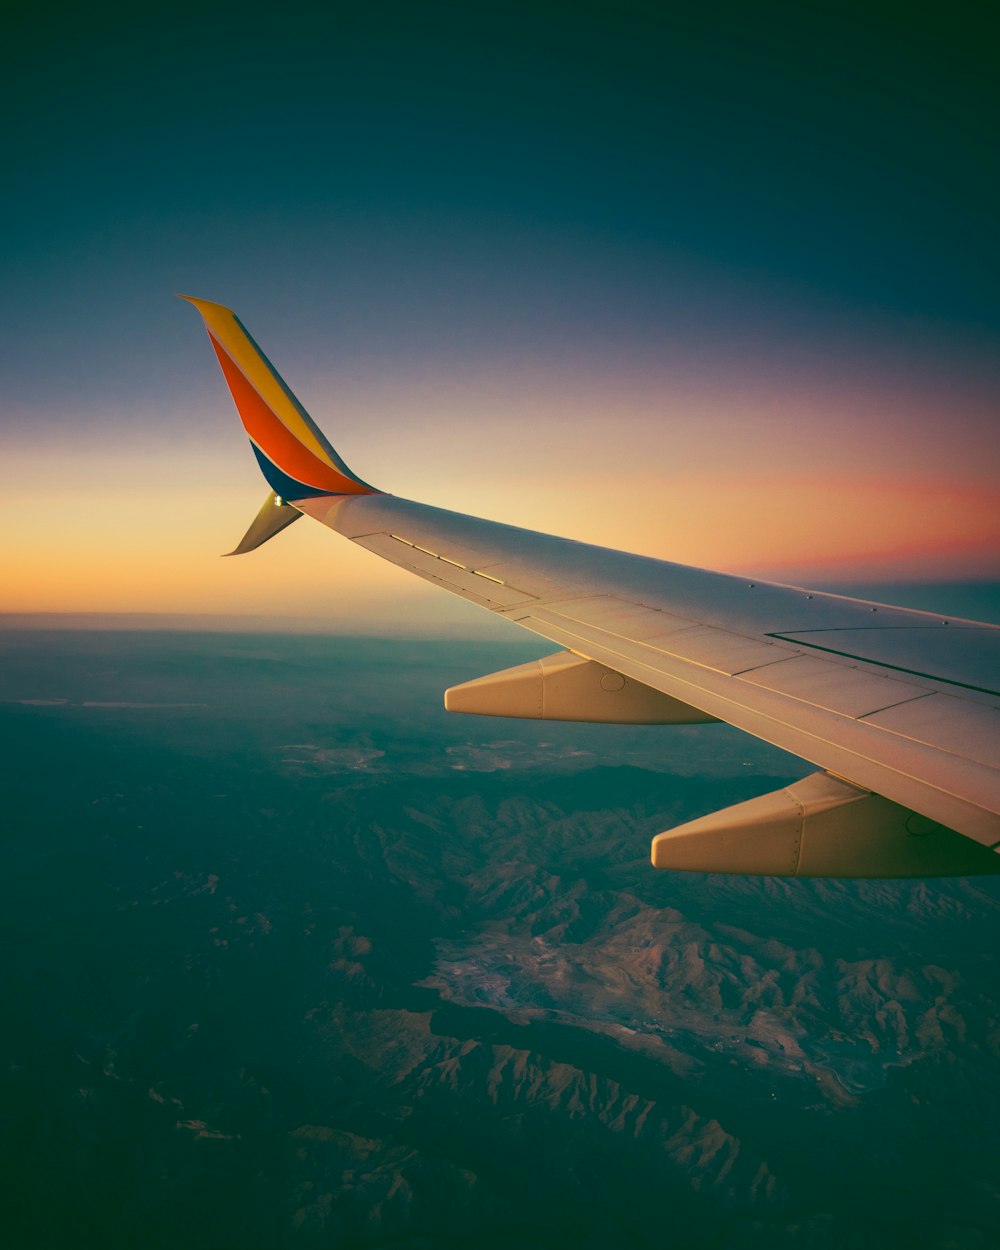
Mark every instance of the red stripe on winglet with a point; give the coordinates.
(278, 442)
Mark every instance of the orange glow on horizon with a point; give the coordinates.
(153, 550)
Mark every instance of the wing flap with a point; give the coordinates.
(720, 649)
(963, 655)
(838, 688)
(619, 616)
(959, 726)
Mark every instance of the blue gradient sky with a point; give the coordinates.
(720, 288)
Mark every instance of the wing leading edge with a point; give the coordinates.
(899, 709)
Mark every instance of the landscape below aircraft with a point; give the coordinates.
(899, 710)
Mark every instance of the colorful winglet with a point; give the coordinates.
(293, 454)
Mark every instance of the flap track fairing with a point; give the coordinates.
(821, 827)
(570, 687)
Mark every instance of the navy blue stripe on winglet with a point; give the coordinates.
(283, 485)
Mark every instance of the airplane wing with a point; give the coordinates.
(899, 710)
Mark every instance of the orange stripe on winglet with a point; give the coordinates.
(276, 441)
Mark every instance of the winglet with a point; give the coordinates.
(293, 454)
(274, 516)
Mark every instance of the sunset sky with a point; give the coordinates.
(717, 288)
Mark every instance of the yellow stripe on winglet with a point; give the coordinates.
(222, 324)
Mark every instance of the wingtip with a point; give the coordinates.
(205, 306)
(295, 457)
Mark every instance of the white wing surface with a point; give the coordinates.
(899, 709)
